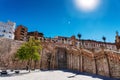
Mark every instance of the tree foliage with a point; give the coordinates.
(29, 51)
(104, 38)
(79, 36)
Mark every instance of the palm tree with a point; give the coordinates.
(104, 39)
(79, 36)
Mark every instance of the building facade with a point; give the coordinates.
(21, 33)
(7, 30)
(87, 44)
(36, 35)
(91, 44)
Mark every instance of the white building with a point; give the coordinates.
(7, 29)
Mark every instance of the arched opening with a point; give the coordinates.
(62, 59)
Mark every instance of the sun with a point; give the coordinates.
(87, 5)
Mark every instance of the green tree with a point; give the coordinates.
(104, 39)
(79, 36)
(29, 51)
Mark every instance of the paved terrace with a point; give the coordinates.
(52, 75)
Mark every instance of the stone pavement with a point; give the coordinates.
(52, 75)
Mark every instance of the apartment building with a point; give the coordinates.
(35, 34)
(7, 29)
(21, 33)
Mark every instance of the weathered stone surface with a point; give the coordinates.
(58, 56)
(8, 48)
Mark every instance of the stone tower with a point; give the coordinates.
(117, 40)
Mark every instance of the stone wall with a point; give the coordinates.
(104, 62)
(8, 48)
(56, 56)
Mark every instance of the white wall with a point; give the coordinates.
(7, 30)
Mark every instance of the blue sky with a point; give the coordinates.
(60, 17)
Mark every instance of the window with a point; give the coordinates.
(2, 35)
(4, 31)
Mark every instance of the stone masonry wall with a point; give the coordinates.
(56, 56)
